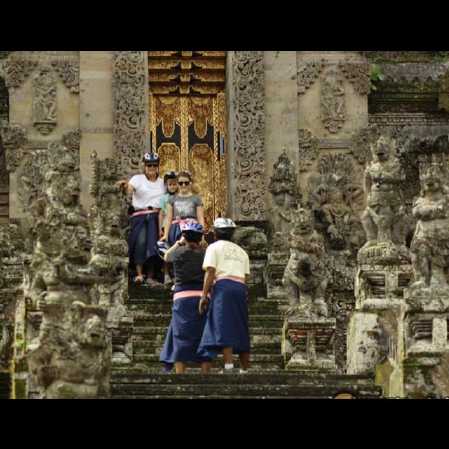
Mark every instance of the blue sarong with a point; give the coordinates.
(186, 327)
(227, 322)
(174, 234)
(143, 237)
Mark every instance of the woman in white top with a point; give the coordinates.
(227, 323)
(147, 190)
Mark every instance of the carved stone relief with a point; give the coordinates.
(69, 73)
(14, 138)
(336, 197)
(358, 74)
(284, 190)
(17, 70)
(309, 148)
(248, 94)
(332, 100)
(308, 74)
(129, 126)
(44, 101)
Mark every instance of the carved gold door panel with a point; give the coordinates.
(188, 133)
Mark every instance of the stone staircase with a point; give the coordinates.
(144, 378)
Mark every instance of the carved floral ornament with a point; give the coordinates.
(14, 139)
(129, 106)
(308, 74)
(309, 148)
(358, 74)
(249, 123)
(17, 70)
(68, 71)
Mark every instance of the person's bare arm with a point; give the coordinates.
(207, 285)
(200, 215)
(170, 251)
(161, 224)
(168, 220)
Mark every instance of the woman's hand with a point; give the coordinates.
(204, 303)
(182, 241)
(123, 184)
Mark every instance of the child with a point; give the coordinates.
(171, 184)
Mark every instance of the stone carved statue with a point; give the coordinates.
(284, 190)
(110, 250)
(305, 277)
(334, 198)
(333, 103)
(70, 357)
(430, 244)
(383, 178)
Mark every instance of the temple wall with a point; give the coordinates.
(281, 108)
(96, 112)
(23, 78)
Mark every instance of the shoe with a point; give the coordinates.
(228, 371)
(243, 371)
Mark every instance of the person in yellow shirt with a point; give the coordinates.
(227, 270)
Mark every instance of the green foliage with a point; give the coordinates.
(376, 76)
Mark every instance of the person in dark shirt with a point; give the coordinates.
(186, 326)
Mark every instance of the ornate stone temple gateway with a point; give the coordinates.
(337, 177)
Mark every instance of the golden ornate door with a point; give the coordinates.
(187, 121)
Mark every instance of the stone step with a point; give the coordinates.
(257, 385)
(259, 361)
(154, 331)
(151, 347)
(144, 320)
(212, 396)
(165, 307)
(167, 300)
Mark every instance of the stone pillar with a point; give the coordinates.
(246, 131)
(130, 94)
(374, 337)
(281, 110)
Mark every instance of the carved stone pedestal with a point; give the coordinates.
(308, 344)
(380, 287)
(374, 341)
(426, 362)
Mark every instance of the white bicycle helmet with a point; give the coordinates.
(224, 223)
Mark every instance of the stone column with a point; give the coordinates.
(246, 122)
(130, 94)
